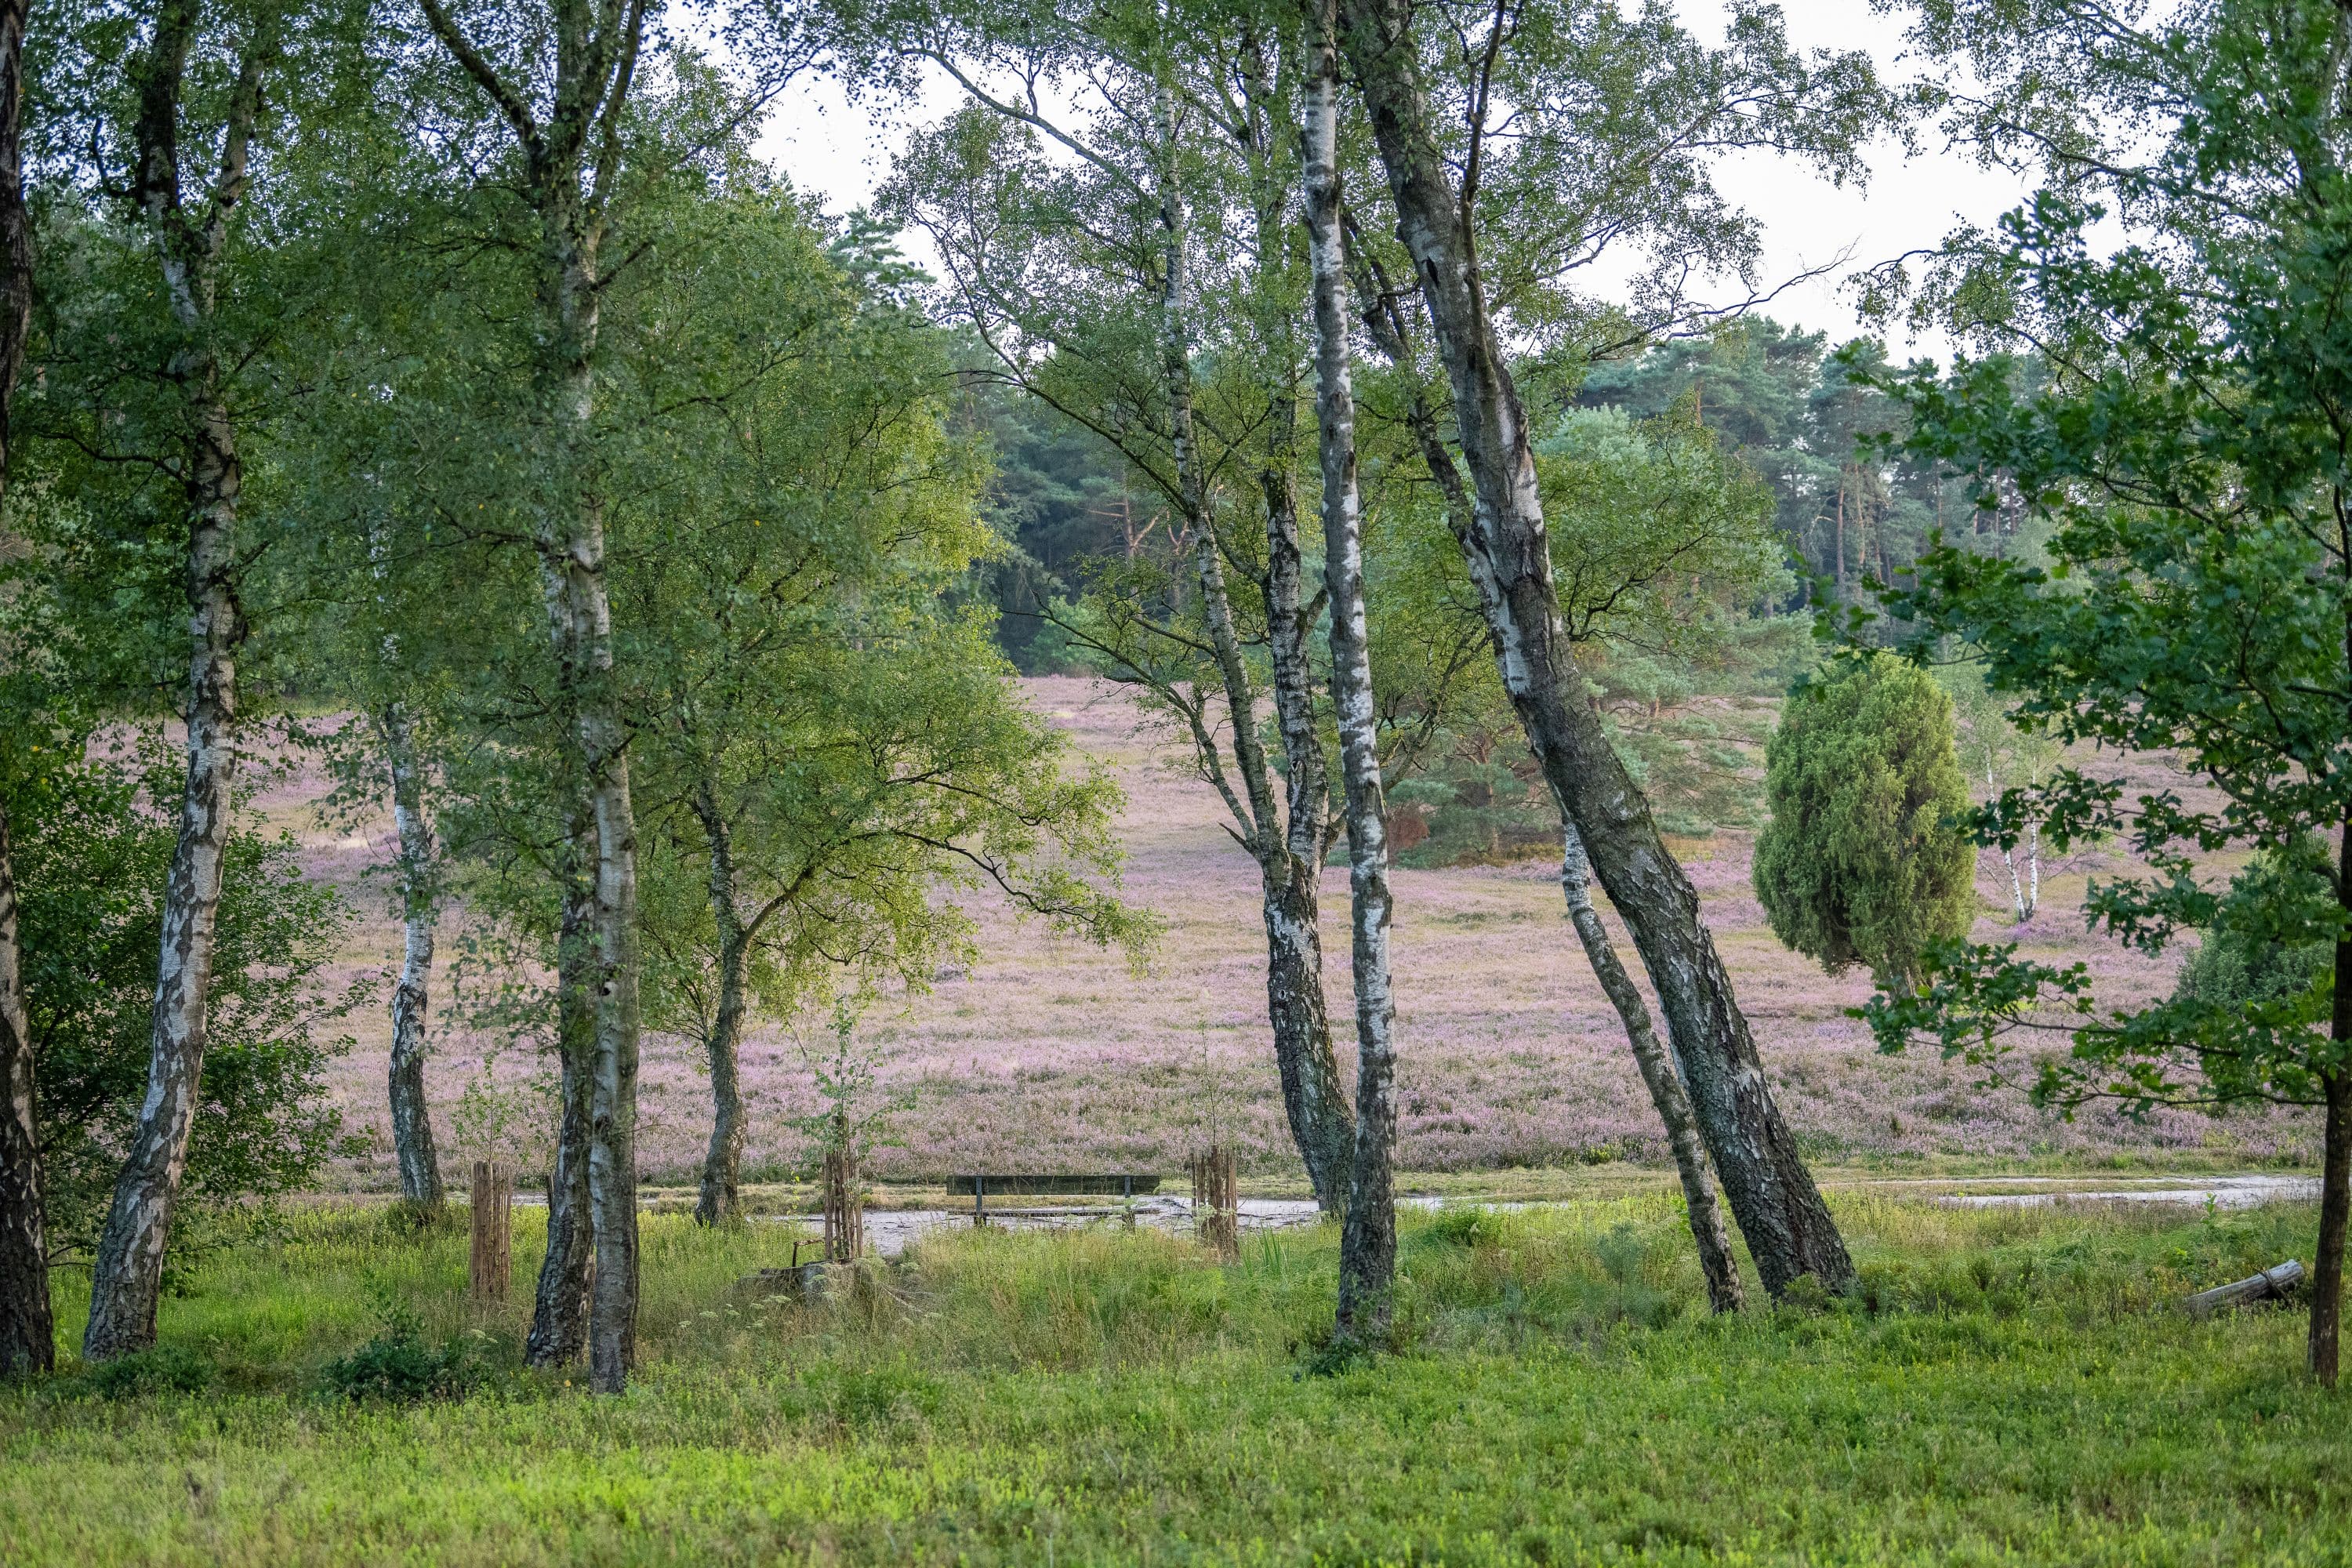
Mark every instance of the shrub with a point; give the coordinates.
(1862, 861)
(2256, 948)
(165, 1369)
(399, 1365)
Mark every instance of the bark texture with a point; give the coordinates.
(1368, 1240)
(1666, 1085)
(559, 1319)
(572, 162)
(412, 1121)
(128, 1276)
(1789, 1228)
(721, 1196)
(2335, 1205)
(1668, 1094)
(1289, 856)
(2336, 1150)
(27, 1330)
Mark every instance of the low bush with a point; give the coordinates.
(399, 1364)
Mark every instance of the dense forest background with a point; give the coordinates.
(1850, 505)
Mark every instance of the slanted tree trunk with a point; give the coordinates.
(28, 1330)
(559, 1319)
(578, 146)
(1311, 1094)
(721, 1198)
(412, 1120)
(1667, 1092)
(128, 1276)
(1368, 1241)
(1789, 1228)
(1666, 1085)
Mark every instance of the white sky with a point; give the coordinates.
(841, 151)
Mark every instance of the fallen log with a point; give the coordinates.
(2273, 1281)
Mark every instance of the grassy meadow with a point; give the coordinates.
(2011, 1385)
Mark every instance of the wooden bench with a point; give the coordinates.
(979, 1186)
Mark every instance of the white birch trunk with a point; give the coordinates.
(1367, 1243)
(1789, 1230)
(1312, 1098)
(1659, 1075)
(127, 1277)
(412, 1120)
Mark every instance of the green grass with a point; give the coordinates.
(2012, 1385)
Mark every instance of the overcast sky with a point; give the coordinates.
(841, 151)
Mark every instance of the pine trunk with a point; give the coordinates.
(412, 1121)
(1368, 1241)
(27, 1330)
(720, 1200)
(1789, 1229)
(1666, 1085)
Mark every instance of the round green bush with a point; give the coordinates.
(1862, 861)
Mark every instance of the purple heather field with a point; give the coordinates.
(1051, 1054)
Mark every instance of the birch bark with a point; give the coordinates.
(1789, 1228)
(1658, 1075)
(1311, 1093)
(1368, 1240)
(412, 1120)
(128, 1275)
(28, 1329)
(721, 1195)
(572, 162)
(559, 1320)
(1668, 1094)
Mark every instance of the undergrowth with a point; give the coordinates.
(2005, 1383)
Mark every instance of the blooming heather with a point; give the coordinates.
(1050, 1055)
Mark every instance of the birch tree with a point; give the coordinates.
(1643, 510)
(566, 116)
(1368, 1244)
(1789, 1229)
(1086, 284)
(830, 746)
(160, 132)
(27, 1331)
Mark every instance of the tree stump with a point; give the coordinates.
(491, 1261)
(1216, 1202)
(845, 1209)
